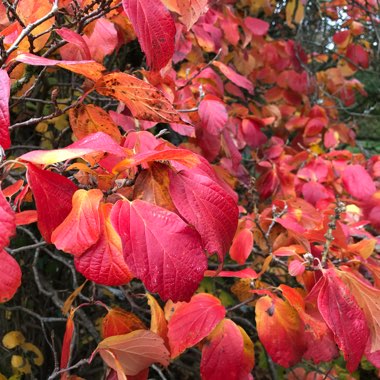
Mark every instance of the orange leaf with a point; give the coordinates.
(183, 156)
(145, 101)
(242, 245)
(103, 262)
(90, 69)
(364, 248)
(153, 186)
(120, 322)
(13, 189)
(191, 10)
(280, 330)
(88, 118)
(26, 217)
(66, 345)
(29, 12)
(133, 352)
(81, 228)
(70, 299)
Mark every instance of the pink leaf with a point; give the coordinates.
(256, 26)
(94, 143)
(76, 39)
(296, 268)
(358, 182)
(10, 276)
(160, 248)
(234, 77)
(5, 85)
(213, 114)
(243, 273)
(155, 30)
(103, 39)
(252, 133)
(89, 69)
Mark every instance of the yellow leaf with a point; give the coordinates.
(38, 358)
(21, 364)
(13, 339)
(294, 12)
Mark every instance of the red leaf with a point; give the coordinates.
(81, 228)
(358, 55)
(5, 86)
(213, 114)
(52, 194)
(228, 353)
(206, 206)
(367, 298)
(193, 321)
(103, 263)
(10, 277)
(256, 26)
(7, 222)
(160, 248)
(344, 317)
(155, 30)
(358, 182)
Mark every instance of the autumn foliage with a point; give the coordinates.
(193, 165)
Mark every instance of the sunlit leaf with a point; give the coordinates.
(81, 228)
